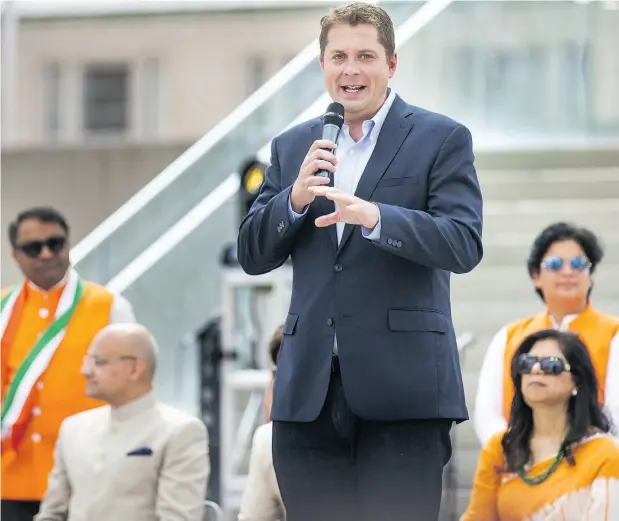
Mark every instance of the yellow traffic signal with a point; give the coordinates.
(253, 179)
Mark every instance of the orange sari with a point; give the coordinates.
(587, 491)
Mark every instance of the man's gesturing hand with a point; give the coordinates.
(348, 209)
(315, 160)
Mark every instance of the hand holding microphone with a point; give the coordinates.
(319, 163)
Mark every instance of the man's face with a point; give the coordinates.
(42, 252)
(356, 70)
(109, 369)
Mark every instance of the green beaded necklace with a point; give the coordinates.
(536, 480)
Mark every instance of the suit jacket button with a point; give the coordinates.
(329, 322)
(389, 241)
(337, 268)
(399, 244)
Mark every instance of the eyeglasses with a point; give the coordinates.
(33, 249)
(548, 364)
(104, 360)
(576, 263)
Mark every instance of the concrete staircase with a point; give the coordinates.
(518, 204)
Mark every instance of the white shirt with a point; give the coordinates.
(352, 158)
(489, 417)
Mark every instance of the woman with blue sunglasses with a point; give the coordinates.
(562, 259)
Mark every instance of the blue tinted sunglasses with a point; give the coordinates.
(556, 263)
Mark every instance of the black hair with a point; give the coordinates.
(562, 231)
(275, 344)
(44, 214)
(584, 414)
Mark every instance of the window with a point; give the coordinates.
(149, 97)
(52, 95)
(106, 98)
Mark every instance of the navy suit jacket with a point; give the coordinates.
(388, 301)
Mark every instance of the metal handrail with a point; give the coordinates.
(218, 511)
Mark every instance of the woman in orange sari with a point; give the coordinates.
(557, 460)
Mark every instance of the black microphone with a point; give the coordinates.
(332, 124)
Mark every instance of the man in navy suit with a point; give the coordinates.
(368, 382)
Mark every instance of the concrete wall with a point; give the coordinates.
(86, 184)
(203, 65)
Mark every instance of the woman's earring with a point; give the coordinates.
(574, 391)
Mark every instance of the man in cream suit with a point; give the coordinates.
(133, 459)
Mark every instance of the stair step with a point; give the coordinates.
(550, 184)
(530, 216)
(498, 281)
(548, 175)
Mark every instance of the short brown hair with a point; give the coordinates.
(275, 344)
(360, 13)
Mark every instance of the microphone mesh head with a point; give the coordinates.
(334, 115)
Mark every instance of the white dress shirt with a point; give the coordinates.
(352, 158)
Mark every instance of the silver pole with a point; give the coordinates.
(9, 25)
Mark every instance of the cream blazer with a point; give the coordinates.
(142, 462)
(261, 499)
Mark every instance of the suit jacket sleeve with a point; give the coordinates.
(448, 234)
(55, 504)
(266, 234)
(184, 475)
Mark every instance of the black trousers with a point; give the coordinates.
(343, 468)
(16, 510)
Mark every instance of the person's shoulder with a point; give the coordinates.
(96, 291)
(601, 454)
(179, 420)
(85, 419)
(263, 434)
(604, 444)
(495, 442)
(604, 318)
(436, 120)
(299, 130)
(520, 324)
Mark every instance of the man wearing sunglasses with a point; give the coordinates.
(562, 260)
(46, 325)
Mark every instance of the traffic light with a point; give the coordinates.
(252, 179)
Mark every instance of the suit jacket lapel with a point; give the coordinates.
(323, 205)
(393, 133)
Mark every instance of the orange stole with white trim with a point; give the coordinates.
(59, 393)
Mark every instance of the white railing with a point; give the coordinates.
(227, 189)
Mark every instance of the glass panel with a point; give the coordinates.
(518, 72)
(212, 168)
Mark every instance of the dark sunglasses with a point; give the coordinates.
(33, 249)
(556, 263)
(548, 364)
